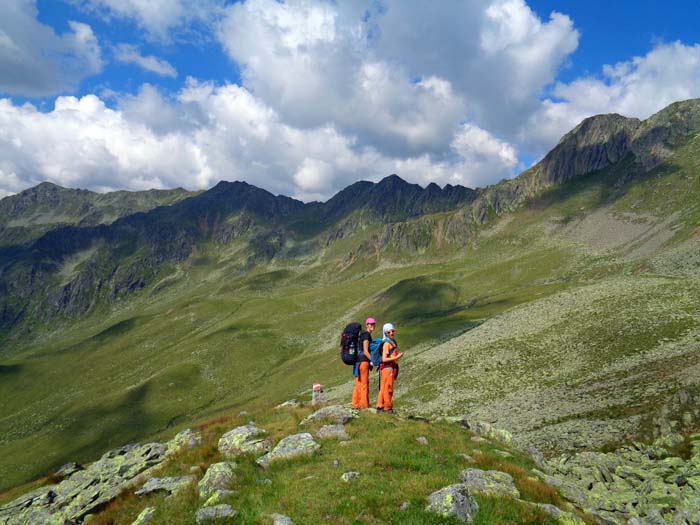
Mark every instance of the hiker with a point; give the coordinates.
(360, 394)
(388, 369)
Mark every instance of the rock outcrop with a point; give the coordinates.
(636, 484)
(334, 413)
(219, 476)
(290, 447)
(169, 485)
(492, 482)
(86, 490)
(453, 500)
(247, 439)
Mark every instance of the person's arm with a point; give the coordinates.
(386, 358)
(365, 349)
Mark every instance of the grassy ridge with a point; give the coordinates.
(396, 474)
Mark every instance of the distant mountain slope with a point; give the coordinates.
(561, 304)
(32, 212)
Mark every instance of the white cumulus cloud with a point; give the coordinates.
(160, 18)
(130, 54)
(35, 61)
(635, 88)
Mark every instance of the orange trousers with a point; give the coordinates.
(386, 389)
(360, 395)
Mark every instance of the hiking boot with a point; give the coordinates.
(388, 410)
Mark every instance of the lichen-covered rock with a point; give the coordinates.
(216, 512)
(68, 470)
(171, 485)
(280, 519)
(491, 482)
(453, 500)
(145, 516)
(669, 440)
(76, 496)
(219, 496)
(219, 476)
(349, 476)
(184, 439)
(292, 403)
(332, 431)
(243, 440)
(290, 447)
(563, 517)
(422, 440)
(334, 413)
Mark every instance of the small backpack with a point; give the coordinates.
(350, 343)
(375, 350)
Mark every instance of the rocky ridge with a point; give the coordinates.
(85, 490)
(638, 484)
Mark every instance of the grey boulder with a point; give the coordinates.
(216, 512)
(171, 485)
(243, 440)
(453, 500)
(335, 413)
(219, 476)
(491, 482)
(290, 447)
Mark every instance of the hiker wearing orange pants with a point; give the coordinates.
(360, 394)
(389, 369)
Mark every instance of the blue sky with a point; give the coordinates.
(304, 97)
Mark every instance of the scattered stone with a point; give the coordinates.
(482, 429)
(453, 500)
(503, 453)
(635, 484)
(219, 496)
(335, 413)
(332, 431)
(184, 439)
(290, 447)
(68, 470)
(563, 517)
(336, 463)
(243, 440)
(171, 485)
(405, 505)
(350, 475)
(345, 443)
(467, 458)
(422, 440)
(264, 481)
(292, 403)
(145, 516)
(214, 513)
(195, 469)
(537, 457)
(489, 482)
(669, 440)
(219, 476)
(243, 413)
(280, 519)
(478, 439)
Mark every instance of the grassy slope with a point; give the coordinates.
(394, 469)
(218, 339)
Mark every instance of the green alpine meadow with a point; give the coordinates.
(549, 322)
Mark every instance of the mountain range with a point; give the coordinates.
(560, 304)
